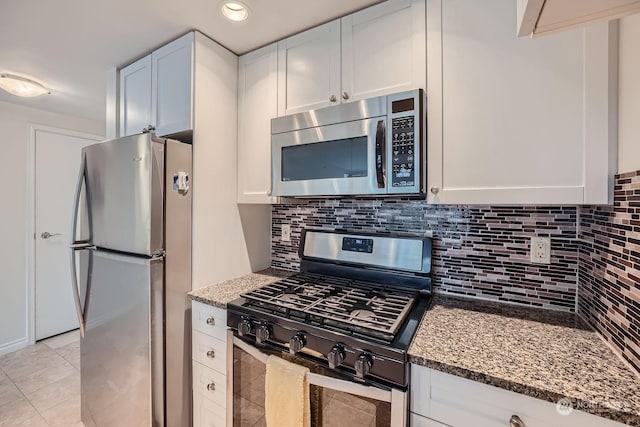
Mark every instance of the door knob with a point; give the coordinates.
(345, 95)
(333, 98)
(46, 235)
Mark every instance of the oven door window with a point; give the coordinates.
(342, 158)
(329, 408)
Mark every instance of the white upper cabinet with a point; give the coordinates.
(171, 86)
(135, 97)
(383, 49)
(157, 90)
(513, 120)
(540, 17)
(376, 51)
(309, 69)
(257, 105)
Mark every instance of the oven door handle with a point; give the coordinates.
(328, 382)
(381, 150)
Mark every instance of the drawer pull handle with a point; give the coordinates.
(211, 321)
(516, 421)
(211, 354)
(211, 386)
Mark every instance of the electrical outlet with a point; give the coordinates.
(285, 234)
(541, 250)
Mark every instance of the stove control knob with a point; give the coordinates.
(363, 365)
(262, 333)
(297, 343)
(244, 327)
(336, 356)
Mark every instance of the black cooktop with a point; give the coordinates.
(369, 309)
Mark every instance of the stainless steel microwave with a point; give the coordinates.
(376, 146)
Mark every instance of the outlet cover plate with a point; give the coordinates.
(286, 233)
(540, 250)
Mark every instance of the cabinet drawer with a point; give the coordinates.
(460, 402)
(209, 351)
(207, 413)
(212, 385)
(209, 320)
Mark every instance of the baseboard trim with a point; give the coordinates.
(13, 346)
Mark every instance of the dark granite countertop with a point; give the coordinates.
(540, 353)
(219, 294)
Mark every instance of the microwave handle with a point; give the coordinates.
(381, 137)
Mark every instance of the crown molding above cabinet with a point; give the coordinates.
(542, 17)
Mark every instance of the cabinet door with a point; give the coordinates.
(384, 49)
(459, 402)
(135, 97)
(309, 69)
(207, 413)
(171, 86)
(257, 105)
(516, 120)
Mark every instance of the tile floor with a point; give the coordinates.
(40, 385)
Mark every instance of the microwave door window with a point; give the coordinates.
(342, 158)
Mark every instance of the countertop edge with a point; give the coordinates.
(219, 294)
(589, 407)
(206, 301)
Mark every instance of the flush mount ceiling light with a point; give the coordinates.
(235, 11)
(21, 86)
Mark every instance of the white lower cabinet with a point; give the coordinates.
(209, 354)
(210, 384)
(209, 351)
(457, 402)
(206, 413)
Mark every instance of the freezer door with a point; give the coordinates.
(121, 354)
(125, 185)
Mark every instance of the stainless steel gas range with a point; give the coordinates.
(349, 315)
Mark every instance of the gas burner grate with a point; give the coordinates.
(365, 307)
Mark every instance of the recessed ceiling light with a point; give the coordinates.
(235, 10)
(21, 86)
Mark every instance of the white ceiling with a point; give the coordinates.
(69, 45)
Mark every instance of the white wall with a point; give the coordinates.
(14, 122)
(629, 95)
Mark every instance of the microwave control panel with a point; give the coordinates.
(403, 149)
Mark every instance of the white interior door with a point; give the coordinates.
(57, 159)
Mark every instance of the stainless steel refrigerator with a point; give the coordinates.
(131, 265)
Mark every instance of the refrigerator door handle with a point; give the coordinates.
(76, 245)
(76, 199)
(74, 285)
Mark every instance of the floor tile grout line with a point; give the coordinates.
(27, 399)
(24, 396)
(21, 394)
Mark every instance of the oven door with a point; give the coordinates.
(333, 402)
(334, 160)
